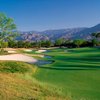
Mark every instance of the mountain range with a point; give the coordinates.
(68, 33)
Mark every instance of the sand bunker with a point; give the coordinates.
(18, 57)
(41, 51)
(11, 51)
(28, 50)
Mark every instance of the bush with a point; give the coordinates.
(3, 52)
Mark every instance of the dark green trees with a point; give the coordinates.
(78, 42)
(96, 38)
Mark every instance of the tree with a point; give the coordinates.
(46, 43)
(26, 44)
(5, 44)
(38, 44)
(7, 29)
(95, 42)
(59, 42)
(78, 42)
(12, 44)
(96, 37)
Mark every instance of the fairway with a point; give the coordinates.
(76, 71)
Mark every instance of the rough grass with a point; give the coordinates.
(76, 71)
(3, 52)
(17, 83)
(15, 67)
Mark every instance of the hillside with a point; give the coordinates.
(69, 33)
(17, 83)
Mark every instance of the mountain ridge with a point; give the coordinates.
(68, 33)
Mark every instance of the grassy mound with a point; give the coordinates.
(17, 83)
(14, 88)
(14, 67)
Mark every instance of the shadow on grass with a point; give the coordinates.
(68, 68)
(78, 66)
(83, 62)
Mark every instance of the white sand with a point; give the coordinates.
(11, 51)
(18, 57)
(28, 50)
(41, 51)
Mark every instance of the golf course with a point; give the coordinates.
(69, 74)
(75, 71)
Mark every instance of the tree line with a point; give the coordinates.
(57, 43)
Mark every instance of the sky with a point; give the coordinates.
(42, 15)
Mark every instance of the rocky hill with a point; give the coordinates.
(70, 33)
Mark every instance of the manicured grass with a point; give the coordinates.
(76, 71)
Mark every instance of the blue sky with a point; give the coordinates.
(52, 14)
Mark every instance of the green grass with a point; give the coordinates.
(77, 72)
